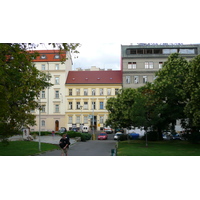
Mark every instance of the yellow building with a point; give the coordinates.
(86, 96)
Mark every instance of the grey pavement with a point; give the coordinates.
(88, 148)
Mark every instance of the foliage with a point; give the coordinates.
(20, 84)
(151, 135)
(192, 86)
(42, 133)
(84, 136)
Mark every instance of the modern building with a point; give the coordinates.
(52, 100)
(140, 62)
(86, 96)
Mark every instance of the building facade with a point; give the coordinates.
(86, 95)
(139, 63)
(52, 100)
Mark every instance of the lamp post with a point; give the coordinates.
(93, 115)
(81, 124)
(39, 142)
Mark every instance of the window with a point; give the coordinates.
(128, 80)
(57, 108)
(57, 56)
(70, 120)
(157, 51)
(85, 120)
(101, 91)
(78, 105)
(160, 65)
(78, 119)
(101, 105)
(93, 92)
(43, 108)
(101, 119)
(93, 105)
(144, 79)
(131, 65)
(85, 106)
(78, 92)
(57, 67)
(70, 92)
(43, 56)
(116, 91)
(57, 94)
(85, 92)
(169, 51)
(108, 91)
(43, 123)
(43, 94)
(186, 51)
(57, 80)
(136, 79)
(70, 105)
(43, 67)
(148, 65)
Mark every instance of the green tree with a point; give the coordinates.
(192, 86)
(169, 90)
(20, 85)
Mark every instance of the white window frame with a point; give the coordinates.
(85, 118)
(136, 79)
(43, 94)
(101, 120)
(57, 108)
(43, 67)
(144, 78)
(70, 120)
(85, 92)
(57, 95)
(57, 80)
(57, 66)
(70, 105)
(43, 123)
(85, 105)
(78, 119)
(128, 79)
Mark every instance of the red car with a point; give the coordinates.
(102, 136)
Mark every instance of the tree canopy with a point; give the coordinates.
(20, 84)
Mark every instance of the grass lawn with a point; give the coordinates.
(158, 148)
(24, 148)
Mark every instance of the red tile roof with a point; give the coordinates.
(94, 77)
(49, 55)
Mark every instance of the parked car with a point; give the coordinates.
(75, 129)
(63, 130)
(119, 130)
(102, 136)
(133, 136)
(85, 129)
(117, 135)
(108, 129)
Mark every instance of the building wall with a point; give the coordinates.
(82, 113)
(53, 98)
(135, 75)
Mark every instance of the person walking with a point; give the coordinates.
(64, 144)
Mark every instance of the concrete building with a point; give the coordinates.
(86, 96)
(52, 100)
(140, 62)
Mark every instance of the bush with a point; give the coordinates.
(123, 137)
(194, 137)
(42, 133)
(151, 136)
(83, 136)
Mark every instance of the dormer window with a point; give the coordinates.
(57, 56)
(43, 57)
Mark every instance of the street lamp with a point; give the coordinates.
(81, 124)
(39, 142)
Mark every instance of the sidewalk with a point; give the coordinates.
(44, 139)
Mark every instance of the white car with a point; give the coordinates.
(108, 130)
(117, 135)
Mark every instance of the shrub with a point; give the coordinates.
(123, 137)
(42, 133)
(194, 137)
(151, 136)
(73, 134)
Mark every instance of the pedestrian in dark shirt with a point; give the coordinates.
(64, 144)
